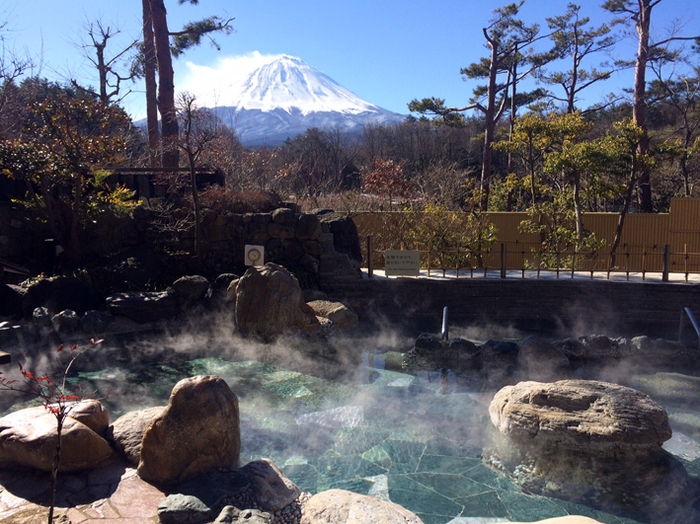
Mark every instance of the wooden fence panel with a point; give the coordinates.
(641, 247)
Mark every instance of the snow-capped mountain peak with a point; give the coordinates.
(269, 98)
(286, 82)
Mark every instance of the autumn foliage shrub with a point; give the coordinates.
(223, 201)
(388, 181)
(57, 397)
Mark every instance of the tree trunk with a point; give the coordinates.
(195, 202)
(490, 124)
(531, 163)
(166, 86)
(571, 95)
(578, 210)
(54, 467)
(686, 174)
(53, 215)
(623, 214)
(688, 141)
(511, 127)
(102, 70)
(73, 251)
(638, 112)
(58, 214)
(149, 52)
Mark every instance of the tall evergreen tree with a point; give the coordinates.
(678, 98)
(639, 13)
(190, 35)
(149, 73)
(505, 37)
(573, 42)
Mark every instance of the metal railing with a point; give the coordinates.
(530, 260)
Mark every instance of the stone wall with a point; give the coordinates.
(4, 230)
(562, 306)
(287, 237)
(17, 241)
(309, 245)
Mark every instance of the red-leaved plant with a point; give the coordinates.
(56, 398)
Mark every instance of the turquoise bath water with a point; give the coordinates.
(418, 441)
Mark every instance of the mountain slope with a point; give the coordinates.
(286, 82)
(284, 97)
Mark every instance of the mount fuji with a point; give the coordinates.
(283, 97)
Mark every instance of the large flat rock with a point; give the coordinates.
(576, 413)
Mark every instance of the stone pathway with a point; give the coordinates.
(113, 493)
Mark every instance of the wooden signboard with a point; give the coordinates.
(401, 263)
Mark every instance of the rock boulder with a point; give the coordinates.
(191, 288)
(28, 439)
(338, 506)
(540, 360)
(147, 306)
(233, 515)
(591, 442)
(269, 302)
(66, 322)
(579, 413)
(127, 431)
(272, 490)
(57, 294)
(341, 315)
(596, 347)
(198, 430)
(345, 237)
(183, 509)
(92, 413)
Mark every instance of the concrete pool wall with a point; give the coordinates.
(545, 305)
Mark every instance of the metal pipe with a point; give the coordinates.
(444, 325)
(370, 257)
(503, 260)
(693, 321)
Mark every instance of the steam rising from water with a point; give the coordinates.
(318, 410)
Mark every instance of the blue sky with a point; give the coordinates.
(385, 51)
